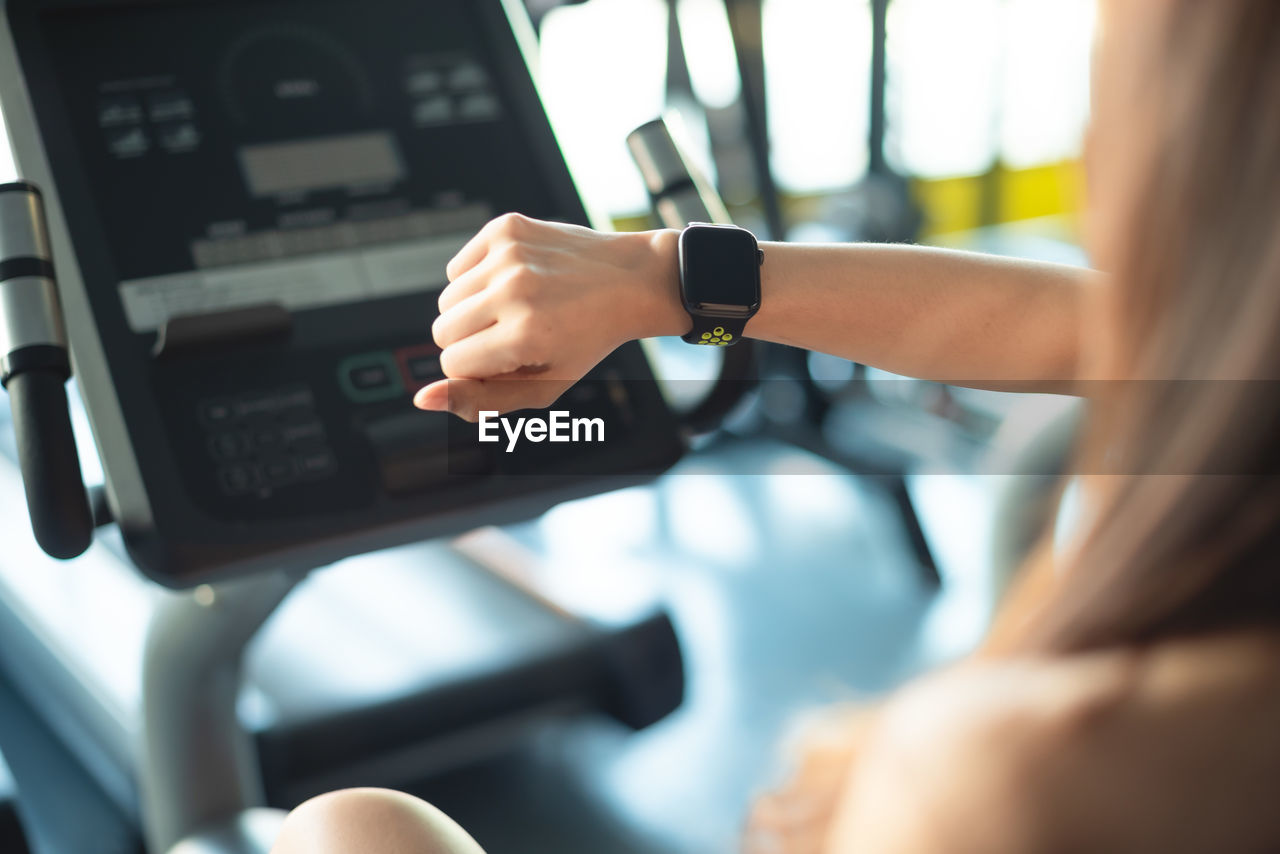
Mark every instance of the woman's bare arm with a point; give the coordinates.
(931, 313)
(547, 301)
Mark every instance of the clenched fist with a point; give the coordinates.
(546, 302)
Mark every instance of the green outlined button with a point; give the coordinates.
(370, 377)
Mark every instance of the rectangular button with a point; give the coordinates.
(301, 432)
(280, 471)
(414, 453)
(425, 368)
(370, 377)
(216, 413)
(409, 472)
(367, 377)
(119, 110)
(226, 447)
(419, 364)
(317, 465)
(239, 479)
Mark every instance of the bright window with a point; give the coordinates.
(972, 78)
(943, 78)
(604, 75)
(818, 71)
(1046, 80)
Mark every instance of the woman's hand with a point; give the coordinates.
(532, 306)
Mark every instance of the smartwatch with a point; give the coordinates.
(719, 281)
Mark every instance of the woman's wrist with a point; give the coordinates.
(658, 309)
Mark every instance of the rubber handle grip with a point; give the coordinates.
(56, 497)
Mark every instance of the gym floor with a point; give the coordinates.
(795, 590)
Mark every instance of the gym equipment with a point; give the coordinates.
(249, 207)
(11, 836)
(538, 9)
(34, 367)
(878, 209)
(259, 230)
(681, 194)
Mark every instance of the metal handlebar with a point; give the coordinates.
(34, 369)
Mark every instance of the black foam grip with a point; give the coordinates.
(13, 268)
(644, 669)
(56, 496)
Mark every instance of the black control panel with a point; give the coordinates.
(267, 440)
(262, 198)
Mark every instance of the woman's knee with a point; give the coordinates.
(369, 821)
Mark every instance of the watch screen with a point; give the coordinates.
(722, 267)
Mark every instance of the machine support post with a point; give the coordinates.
(879, 74)
(198, 769)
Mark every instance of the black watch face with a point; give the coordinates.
(721, 269)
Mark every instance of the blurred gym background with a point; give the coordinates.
(850, 528)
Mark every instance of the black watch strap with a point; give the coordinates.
(716, 331)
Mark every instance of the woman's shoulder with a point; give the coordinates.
(1066, 753)
(961, 760)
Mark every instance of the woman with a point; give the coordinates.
(1128, 698)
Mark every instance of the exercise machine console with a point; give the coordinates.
(252, 205)
(249, 208)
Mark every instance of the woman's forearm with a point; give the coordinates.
(929, 313)
(957, 317)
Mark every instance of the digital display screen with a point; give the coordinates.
(722, 268)
(351, 160)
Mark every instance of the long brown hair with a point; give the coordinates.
(1182, 456)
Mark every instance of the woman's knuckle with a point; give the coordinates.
(521, 285)
(524, 327)
(537, 327)
(514, 254)
(511, 223)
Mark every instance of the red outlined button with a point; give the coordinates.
(419, 365)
